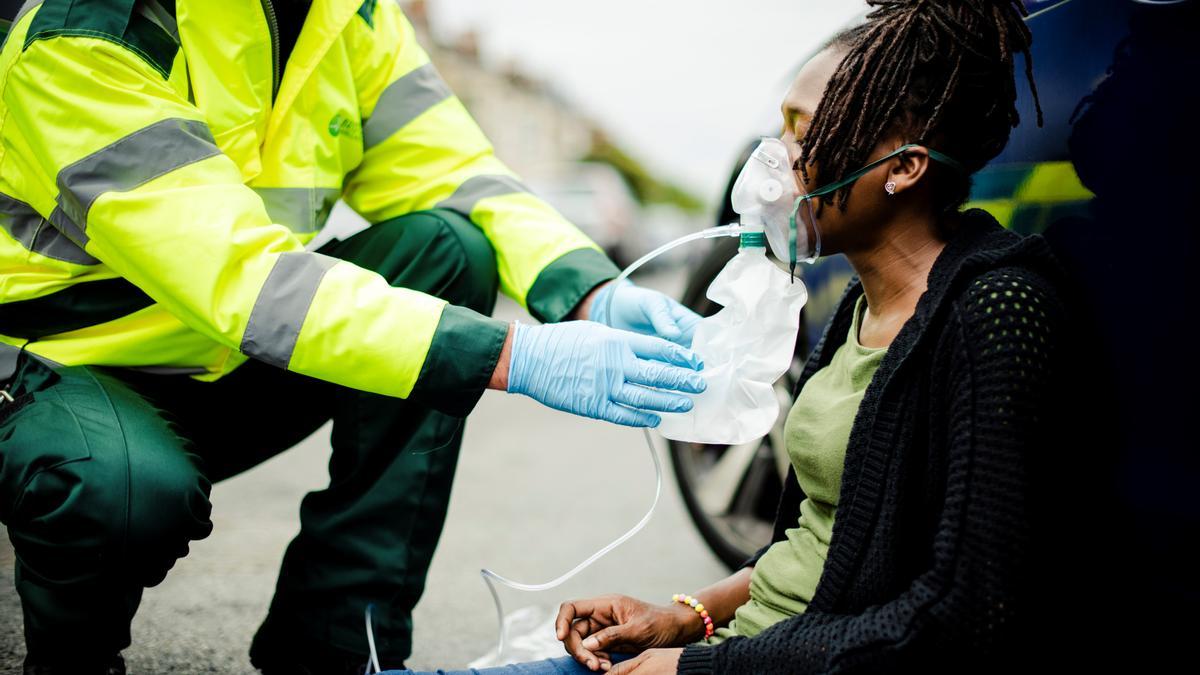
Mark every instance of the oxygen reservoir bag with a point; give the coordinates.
(746, 346)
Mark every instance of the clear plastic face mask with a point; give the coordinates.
(799, 248)
(765, 195)
(768, 193)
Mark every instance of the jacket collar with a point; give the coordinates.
(229, 52)
(325, 23)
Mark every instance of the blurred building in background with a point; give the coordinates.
(533, 130)
(559, 151)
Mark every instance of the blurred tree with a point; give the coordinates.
(646, 188)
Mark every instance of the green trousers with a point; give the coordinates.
(105, 474)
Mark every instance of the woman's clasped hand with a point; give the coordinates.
(592, 630)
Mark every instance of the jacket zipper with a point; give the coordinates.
(273, 26)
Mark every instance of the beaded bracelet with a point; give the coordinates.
(695, 604)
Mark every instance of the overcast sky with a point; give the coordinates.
(681, 88)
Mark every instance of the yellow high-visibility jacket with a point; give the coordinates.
(160, 174)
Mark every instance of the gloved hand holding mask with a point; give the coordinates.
(644, 311)
(592, 370)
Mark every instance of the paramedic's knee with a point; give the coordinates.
(475, 281)
(107, 501)
(168, 508)
(447, 256)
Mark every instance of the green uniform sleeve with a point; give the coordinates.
(564, 283)
(461, 360)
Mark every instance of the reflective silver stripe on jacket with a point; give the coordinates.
(281, 306)
(477, 188)
(36, 234)
(124, 164)
(402, 102)
(301, 210)
(25, 9)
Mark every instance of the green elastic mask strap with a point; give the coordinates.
(834, 187)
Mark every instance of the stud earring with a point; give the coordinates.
(890, 187)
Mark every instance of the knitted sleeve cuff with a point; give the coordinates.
(696, 659)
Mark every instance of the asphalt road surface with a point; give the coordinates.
(536, 492)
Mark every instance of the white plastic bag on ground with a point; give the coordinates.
(530, 632)
(746, 347)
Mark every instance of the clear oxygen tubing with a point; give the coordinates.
(374, 662)
(490, 578)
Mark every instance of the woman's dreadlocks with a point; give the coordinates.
(940, 72)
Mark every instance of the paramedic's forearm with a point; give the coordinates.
(500, 376)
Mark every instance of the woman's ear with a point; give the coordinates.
(907, 170)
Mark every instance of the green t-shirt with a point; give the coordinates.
(817, 432)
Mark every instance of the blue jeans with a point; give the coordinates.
(561, 666)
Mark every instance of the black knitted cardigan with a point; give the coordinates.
(932, 562)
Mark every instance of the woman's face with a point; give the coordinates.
(841, 231)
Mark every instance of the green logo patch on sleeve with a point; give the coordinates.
(340, 125)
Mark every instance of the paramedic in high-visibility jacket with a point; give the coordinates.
(163, 164)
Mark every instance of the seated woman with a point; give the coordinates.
(904, 540)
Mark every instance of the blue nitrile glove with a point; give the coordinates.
(644, 311)
(585, 368)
